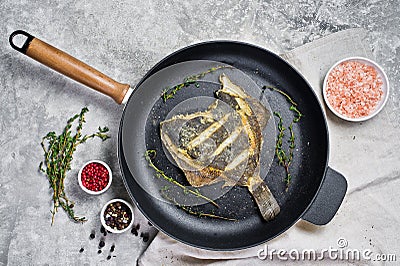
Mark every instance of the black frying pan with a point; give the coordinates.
(316, 191)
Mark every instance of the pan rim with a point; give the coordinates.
(222, 42)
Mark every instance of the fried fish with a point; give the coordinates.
(222, 143)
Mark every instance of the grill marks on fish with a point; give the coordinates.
(228, 141)
(209, 132)
(223, 143)
(201, 144)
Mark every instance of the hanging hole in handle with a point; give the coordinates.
(20, 40)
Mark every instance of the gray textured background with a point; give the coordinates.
(124, 39)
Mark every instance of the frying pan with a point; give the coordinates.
(316, 190)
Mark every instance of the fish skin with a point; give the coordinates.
(252, 117)
(197, 172)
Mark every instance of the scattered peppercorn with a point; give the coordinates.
(117, 215)
(145, 236)
(108, 257)
(103, 231)
(134, 231)
(112, 248)
(81, 250)
(95, 177)
(99, 251)
(138, 227)
(92, 235)
(102, 244)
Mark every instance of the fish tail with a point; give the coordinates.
(266, 202)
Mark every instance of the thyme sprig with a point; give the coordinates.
(285, 157)
(58, 154)
(149, 154)
(203, 74)
(189, 210)
(169, 93)
(293, 106)
(284, 160)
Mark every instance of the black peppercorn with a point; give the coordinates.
(81, 250)
(134, 231)
(117, 215)
(145, 236)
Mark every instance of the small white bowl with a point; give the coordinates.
(385, 88)
(108, 228)
(90, 191)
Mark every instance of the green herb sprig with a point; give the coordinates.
(285, 157)
(284, 160)
(203, 74)
(169, 93)
(187, 209)
(149, 154)
(58, 154)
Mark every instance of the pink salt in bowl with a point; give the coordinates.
(355, 89)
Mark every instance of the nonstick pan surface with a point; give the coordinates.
(309, 166)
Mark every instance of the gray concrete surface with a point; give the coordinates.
(124, 39)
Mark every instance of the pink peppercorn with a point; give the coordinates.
(95, 176)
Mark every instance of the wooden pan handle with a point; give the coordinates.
(69, 66)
